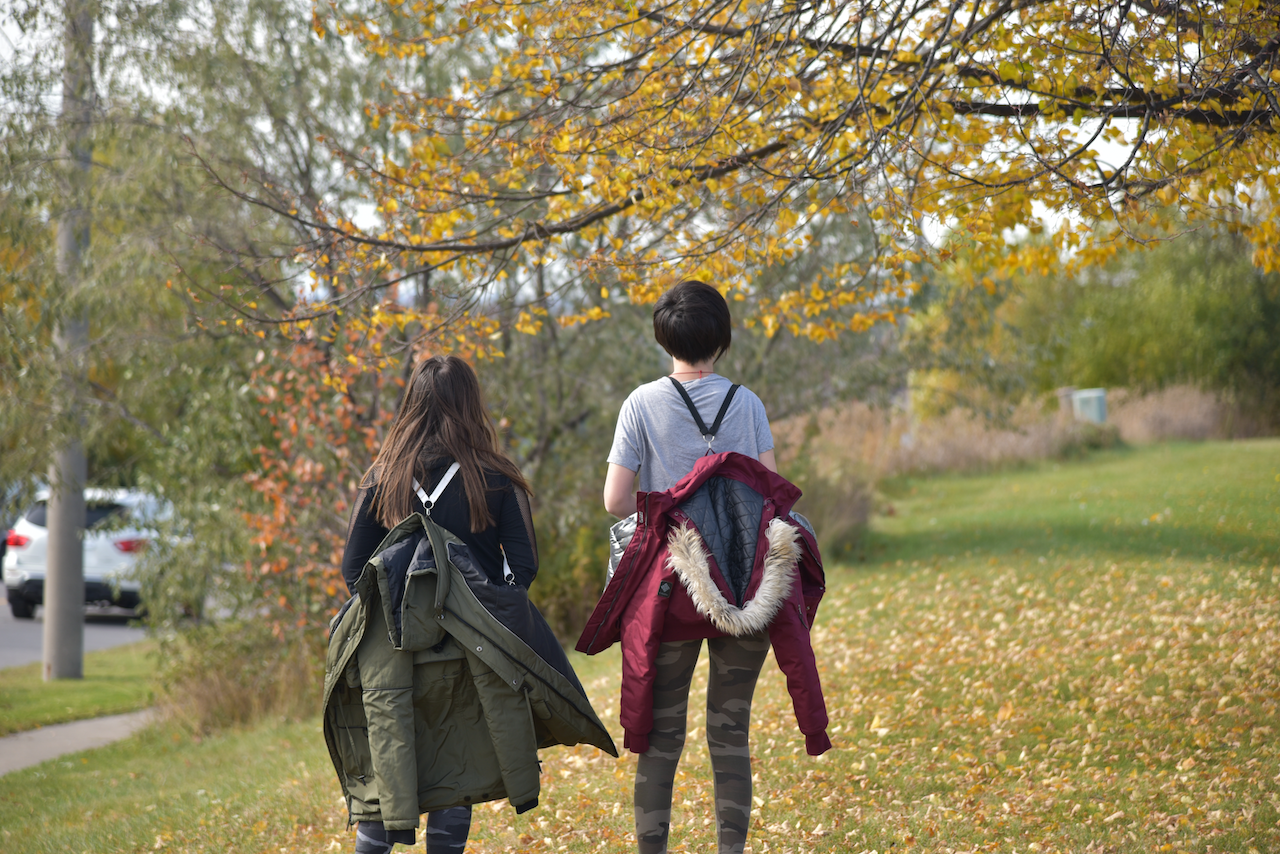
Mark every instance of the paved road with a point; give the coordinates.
(21, 641)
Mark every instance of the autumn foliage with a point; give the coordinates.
(548, 161)
(628, 144)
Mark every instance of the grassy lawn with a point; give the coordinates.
(1068, 658)
(115, 681)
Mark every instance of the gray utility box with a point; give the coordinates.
(1090, 404)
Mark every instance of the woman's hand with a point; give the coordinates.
(620, 491)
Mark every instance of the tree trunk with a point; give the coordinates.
(64, 577)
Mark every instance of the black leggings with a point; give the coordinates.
(446, 833)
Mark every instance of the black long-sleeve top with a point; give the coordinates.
(512, 532)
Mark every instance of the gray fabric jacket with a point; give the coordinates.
(465, 671)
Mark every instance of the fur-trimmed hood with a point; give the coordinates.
(688, 558)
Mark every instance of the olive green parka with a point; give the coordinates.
(465, 671)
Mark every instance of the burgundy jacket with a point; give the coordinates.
(717, 554)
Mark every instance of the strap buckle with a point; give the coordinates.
(429, 501)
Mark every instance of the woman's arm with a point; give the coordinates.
(515, 535)
(363, 536)
(620, 491)
(769, 461)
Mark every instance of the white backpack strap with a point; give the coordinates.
(507, 574)
(429, 501)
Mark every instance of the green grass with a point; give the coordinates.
(1010, 671)
(115, 680)
(251, 790)
(1195, 501)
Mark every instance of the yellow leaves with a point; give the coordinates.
(527, 324)
(877, 726)
(672, 153)
(592, 314)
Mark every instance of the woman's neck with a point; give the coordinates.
(685, 371)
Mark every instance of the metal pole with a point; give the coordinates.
(64, 578)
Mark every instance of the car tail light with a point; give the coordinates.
(130, 546)
(16, 540)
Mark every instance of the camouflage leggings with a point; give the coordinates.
(447, 832)
(735, 665)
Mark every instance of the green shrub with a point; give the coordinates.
(1191, 311)
(571, 570)
(837, 498)
(234, 673)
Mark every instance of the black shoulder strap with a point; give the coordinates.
(708, 435)
(724, 407)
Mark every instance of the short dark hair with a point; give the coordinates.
(691, 322)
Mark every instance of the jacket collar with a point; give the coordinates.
(727, 464)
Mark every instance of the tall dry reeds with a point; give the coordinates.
(1181, 412)
(859, 442)
(870, 443)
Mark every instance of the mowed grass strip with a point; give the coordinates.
(247, 790)
(993, 685)
(115, 681)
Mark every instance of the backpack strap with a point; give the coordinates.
(429, 501)
(708, 435)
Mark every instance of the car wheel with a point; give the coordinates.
(21, 608)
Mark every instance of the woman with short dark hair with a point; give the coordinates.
(658, 441)
(655, 443)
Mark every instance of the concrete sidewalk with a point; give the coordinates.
(32, 747)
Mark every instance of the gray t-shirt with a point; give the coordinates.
(658, 438)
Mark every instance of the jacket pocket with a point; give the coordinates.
(419, 628)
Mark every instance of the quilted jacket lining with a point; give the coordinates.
(727, 514)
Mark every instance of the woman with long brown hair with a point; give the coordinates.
(442, 419)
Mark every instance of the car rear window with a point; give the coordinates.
(94, 511)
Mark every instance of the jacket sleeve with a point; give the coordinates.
(813, 581)
(510, 724)
(641, 635)
(793, 650)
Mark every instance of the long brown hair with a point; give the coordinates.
(441, 416)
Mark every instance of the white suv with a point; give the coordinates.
(118, 523)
